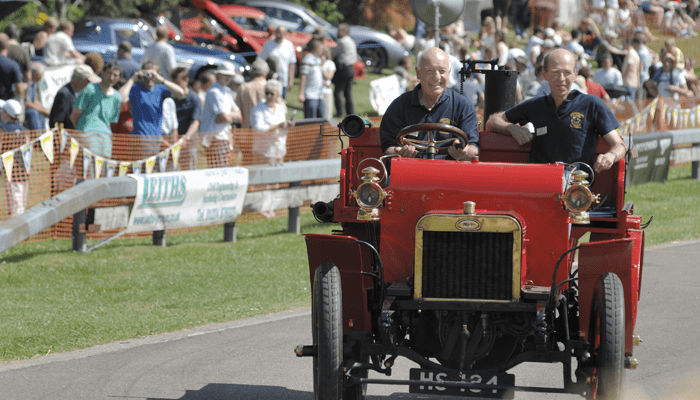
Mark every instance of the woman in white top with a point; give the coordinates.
(269, 118)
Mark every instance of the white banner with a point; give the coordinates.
(183, 199)
(383, 91)
(55, 78)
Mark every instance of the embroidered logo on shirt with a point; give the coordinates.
(576, 120)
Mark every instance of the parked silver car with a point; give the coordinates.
(378, 50)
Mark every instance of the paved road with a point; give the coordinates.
(253, 359)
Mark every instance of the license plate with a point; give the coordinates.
(433, 378)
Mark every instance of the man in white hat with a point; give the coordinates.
(67, 95)
(13, 136)
(218, 114)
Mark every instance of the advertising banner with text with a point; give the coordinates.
(184, 199)
(654, 156)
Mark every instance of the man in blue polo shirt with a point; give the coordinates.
(146, 91)
(567, 123)
(431, 102)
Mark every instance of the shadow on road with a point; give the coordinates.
(227, 391)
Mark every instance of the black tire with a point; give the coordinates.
(374, 58)
(607, 334)
(357, 392)
(327, 331)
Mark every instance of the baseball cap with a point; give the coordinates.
(13, 108)
(610, 33)
(522, 59)
(238, 79)
(85, 72)
(548, 43)
(226, 68)
(549, 32)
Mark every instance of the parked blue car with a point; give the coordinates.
(103, 35)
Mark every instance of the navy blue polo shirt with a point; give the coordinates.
(452, 109)
(568, 133)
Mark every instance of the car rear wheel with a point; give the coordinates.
(607, 334)
(374, 58)
(327, 320)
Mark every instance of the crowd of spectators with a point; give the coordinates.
(609, 44)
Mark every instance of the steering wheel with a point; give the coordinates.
(430, 146)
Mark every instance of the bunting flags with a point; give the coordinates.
(175, 152)
(46, 141)
(150, 163)
(102, 166)
(27, 156)
(8, 159)
(87, 156)
(98, 166)
(111, 166)
(74, 147)
(124, 168)
(163, 160)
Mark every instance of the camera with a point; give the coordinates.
(147, 75)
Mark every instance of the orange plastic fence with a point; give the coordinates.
(40, 164)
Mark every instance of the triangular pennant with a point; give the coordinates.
(162, 160)
(74, 148)
(675, 118)
(150, 163)
(8, 159)
(137, 167)
(98, 166)
(27, 156)
(64, 139)
(87, 156)
(693, 117)
(175, 151)
(46, 142)
(652, 111)
(124, 168)
(686, 118)
(625, 128)
(111, 166)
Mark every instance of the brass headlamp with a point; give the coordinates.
(578, 198)
(369, 195)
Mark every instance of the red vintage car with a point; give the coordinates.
(469, 269)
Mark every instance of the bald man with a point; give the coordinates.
(431, 102)
(161, 52)
(567, 123)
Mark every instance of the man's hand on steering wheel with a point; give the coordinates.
(407, 150)
(459, 154)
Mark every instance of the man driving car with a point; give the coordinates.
(431, 102)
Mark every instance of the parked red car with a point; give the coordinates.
(252, 25)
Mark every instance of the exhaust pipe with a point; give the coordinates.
(323, 211)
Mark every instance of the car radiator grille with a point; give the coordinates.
(467, 265)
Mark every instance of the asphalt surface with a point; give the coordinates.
(253, 358)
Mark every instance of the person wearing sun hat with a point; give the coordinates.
(218, 114)
(12, 136)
